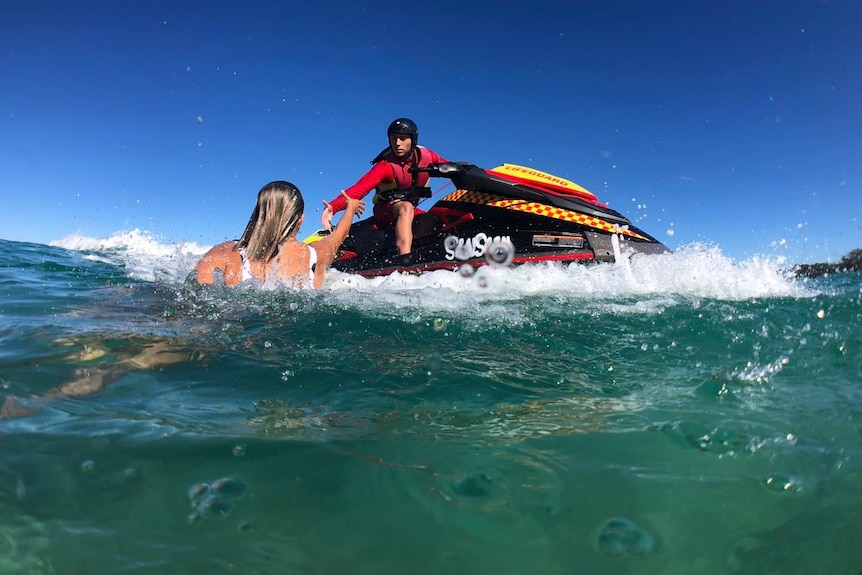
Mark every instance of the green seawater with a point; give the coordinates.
(690, 416)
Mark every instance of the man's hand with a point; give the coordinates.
(353, 205)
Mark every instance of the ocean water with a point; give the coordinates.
(676, 414)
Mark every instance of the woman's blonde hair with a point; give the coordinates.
(278, 209)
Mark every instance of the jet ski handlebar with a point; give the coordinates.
(441, 170)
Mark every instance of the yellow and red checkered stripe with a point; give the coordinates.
(538, 209)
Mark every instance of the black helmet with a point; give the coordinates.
(406, 127)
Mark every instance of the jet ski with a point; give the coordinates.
(503, 216)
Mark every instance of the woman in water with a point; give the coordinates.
(268, 249)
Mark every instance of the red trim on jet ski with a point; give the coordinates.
(346, 255)
(555, 258)
(451, 218)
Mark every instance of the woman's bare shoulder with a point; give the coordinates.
(224, 248)
(222, 256)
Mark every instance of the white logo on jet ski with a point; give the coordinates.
(475, 247)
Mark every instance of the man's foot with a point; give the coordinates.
(399, 260)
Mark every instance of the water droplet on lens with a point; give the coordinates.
(214, 507)
(715, 388)
(478, 485)
(440, 324)
(620, 536)
(229, 486)
(610, 544)
(718, 441)
(500, 253)
(482, 280)
(130, 473)
(239, 450)
(88, 466)
(464, 252)
(466, 270)
(196, 492)
(782, 483)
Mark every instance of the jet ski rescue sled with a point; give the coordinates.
(508, 215)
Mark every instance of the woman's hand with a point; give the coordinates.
(326, 216)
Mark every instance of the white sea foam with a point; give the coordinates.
(696, 270)
(643, 283)
(636, 285)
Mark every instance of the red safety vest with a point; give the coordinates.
(404, 180)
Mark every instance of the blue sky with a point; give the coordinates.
(732, 122)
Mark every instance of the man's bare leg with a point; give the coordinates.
(403, 226)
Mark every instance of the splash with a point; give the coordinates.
(692, 272)
(697, 270)
(139, 252)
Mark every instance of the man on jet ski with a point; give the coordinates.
(398, 190)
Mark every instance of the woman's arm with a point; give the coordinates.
(327, 248)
